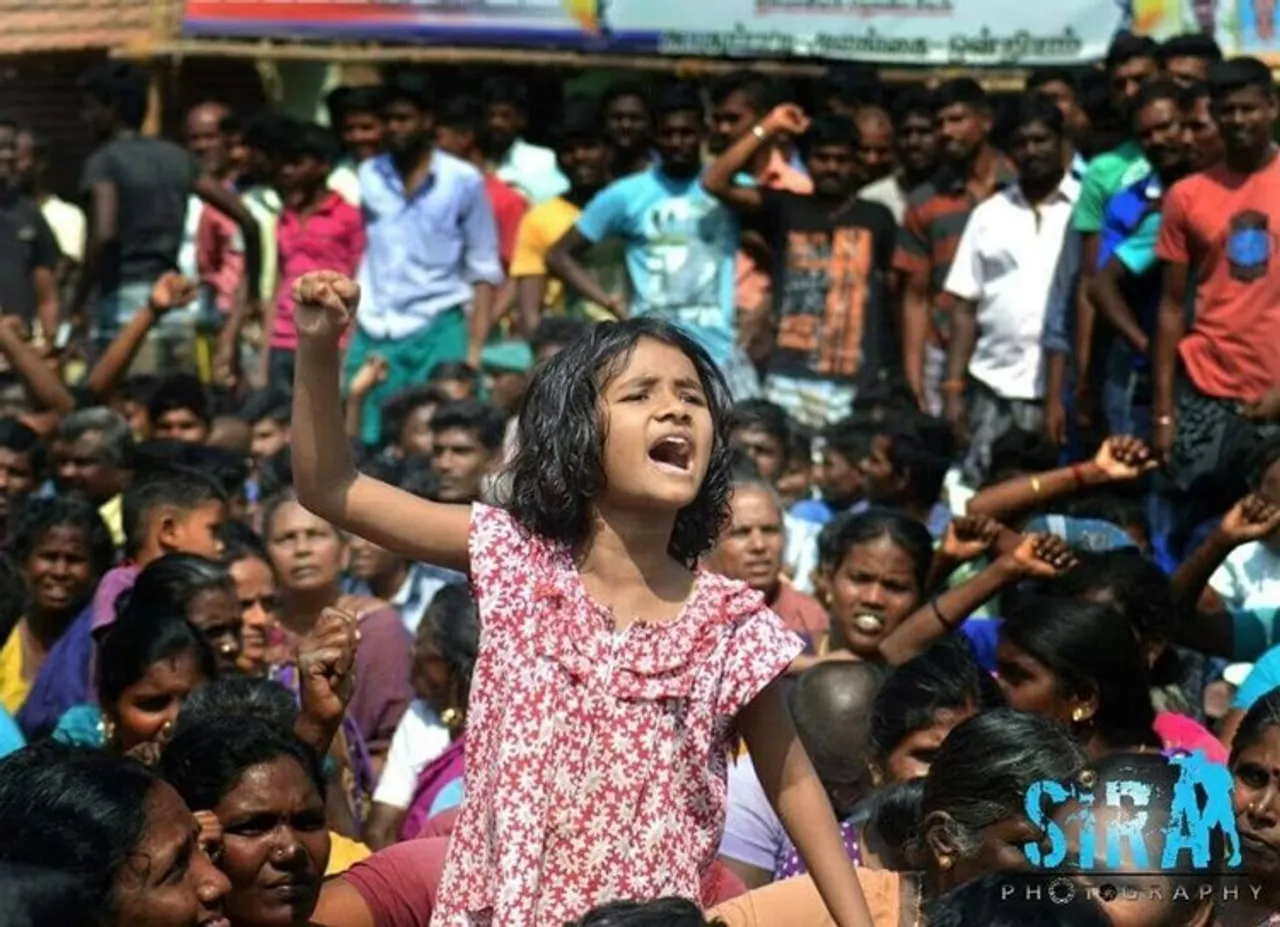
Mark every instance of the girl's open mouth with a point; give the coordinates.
(673, 453)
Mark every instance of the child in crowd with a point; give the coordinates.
(180, 410)
(165, 511)
(593, 619)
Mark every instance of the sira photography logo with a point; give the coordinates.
(1201, 811)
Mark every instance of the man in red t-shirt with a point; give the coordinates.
(458, 132)
(1220, 229)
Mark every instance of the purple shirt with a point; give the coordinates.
(113, 583)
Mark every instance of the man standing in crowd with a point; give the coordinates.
(458, 130)
(431, 266)
(204, 140)
(1126, 287)
(531, 169)
(738, 102)
(137, 189)
(1131, 62)
(628, 127)
(679, 241)
(66, 219)
(972, 170)
(832, 257)
(1218, 229)
(915, 142)
(1060, 86)
(875, 144)
(1010, 259)
(355, 113)
(1186, 59)
(219, 252)
(584, 159)
(28, 249)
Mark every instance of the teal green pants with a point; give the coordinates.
(409, 362)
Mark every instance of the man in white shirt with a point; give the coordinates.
(1015, 250)
(531, 169)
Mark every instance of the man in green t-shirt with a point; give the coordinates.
(1131, 61)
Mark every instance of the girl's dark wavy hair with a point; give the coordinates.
(559, 465)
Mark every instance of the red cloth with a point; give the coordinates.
(400, 885)
(331, 238)
(1222, 226)
(508, 208)
(220, 256)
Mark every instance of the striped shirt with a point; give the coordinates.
(937, 212)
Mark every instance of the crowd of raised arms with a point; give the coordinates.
(730, 512)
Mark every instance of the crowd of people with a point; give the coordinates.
(728, 514)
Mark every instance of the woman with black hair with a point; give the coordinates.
(1079, 663)
(245, 557)
(1255, 768)
(122, 835)
(1119, 874)
(200, 590)
(266, 788)
(873, 571)
(972, 822)
(147, 667)
(920, 703)
(61, 547)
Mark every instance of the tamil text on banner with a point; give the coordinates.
(1005, 32)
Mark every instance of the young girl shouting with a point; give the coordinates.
(613, 675)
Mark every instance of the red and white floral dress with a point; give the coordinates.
(595, 758)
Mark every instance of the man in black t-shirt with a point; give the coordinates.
(28, 250)
(135, 193)
(832, 256)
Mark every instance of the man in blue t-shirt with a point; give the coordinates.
(1126, 287)
(679, 240)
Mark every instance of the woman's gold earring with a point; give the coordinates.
(945, 863)
(108, 728)
(1077, 715)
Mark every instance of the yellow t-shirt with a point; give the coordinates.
(112, 514)
(344, 853)
(13, 687)
(544, 225)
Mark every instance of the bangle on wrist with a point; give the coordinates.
(1164, 420)
(758, 130)
(1035, 484)
(1077, 473)
(953, 386)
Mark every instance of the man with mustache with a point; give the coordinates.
(937, 210)
(1126, 288)
(1220, 226)
(1015, 253)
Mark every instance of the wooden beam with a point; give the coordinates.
(1004, 79)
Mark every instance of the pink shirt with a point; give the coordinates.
(595, 759)
(220, 256)
(330, 238)
(508, 208)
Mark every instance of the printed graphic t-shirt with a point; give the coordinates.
(680, 244)
(1224, 227)
(830, 285)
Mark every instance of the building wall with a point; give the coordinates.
(74, 25)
